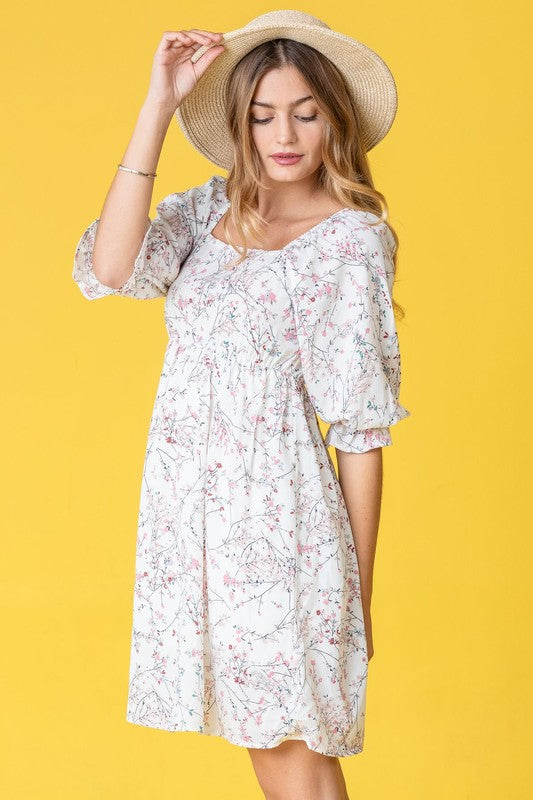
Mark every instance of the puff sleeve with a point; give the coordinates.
(167, 242)
(340, 290)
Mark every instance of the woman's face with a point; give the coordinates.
(280, 124)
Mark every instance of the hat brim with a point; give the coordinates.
(201, 115)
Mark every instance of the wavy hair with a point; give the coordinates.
(344, 173)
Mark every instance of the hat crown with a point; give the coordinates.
(274, 18)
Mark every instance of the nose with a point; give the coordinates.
(285, 131)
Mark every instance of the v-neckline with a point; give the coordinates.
(226, 205)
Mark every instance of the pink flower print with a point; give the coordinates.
(326, 289)
(290, 335)
(270, 297)
(229, 581)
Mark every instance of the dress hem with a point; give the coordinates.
(232, 740)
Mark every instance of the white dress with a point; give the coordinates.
(247, 616)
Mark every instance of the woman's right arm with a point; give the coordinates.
(124, 219)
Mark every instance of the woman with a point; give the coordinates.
(251, 614)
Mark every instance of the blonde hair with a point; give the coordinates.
(344, 174)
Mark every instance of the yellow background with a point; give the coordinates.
(449, 693)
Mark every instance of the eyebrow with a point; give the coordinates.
(291, 105)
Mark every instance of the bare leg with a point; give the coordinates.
(291, 771)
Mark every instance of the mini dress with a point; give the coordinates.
(247, 616)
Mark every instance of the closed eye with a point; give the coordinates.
(268, 119)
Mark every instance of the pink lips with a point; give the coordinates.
(286, 158)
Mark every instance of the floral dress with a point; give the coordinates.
(247, 615)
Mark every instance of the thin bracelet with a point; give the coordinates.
(138, 172)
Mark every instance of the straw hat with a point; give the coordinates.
(201, 114)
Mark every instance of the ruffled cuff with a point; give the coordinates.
(83, 271)
(344, 438)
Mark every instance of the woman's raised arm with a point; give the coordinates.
(124, 219)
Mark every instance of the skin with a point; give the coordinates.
(292, 203)
(292, 194)
(124, 217)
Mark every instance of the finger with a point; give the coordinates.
(206, 58)
(212, 51)
(209, 36)
(188, 50)
(173, 39)
(206, 33)
(191, 34)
